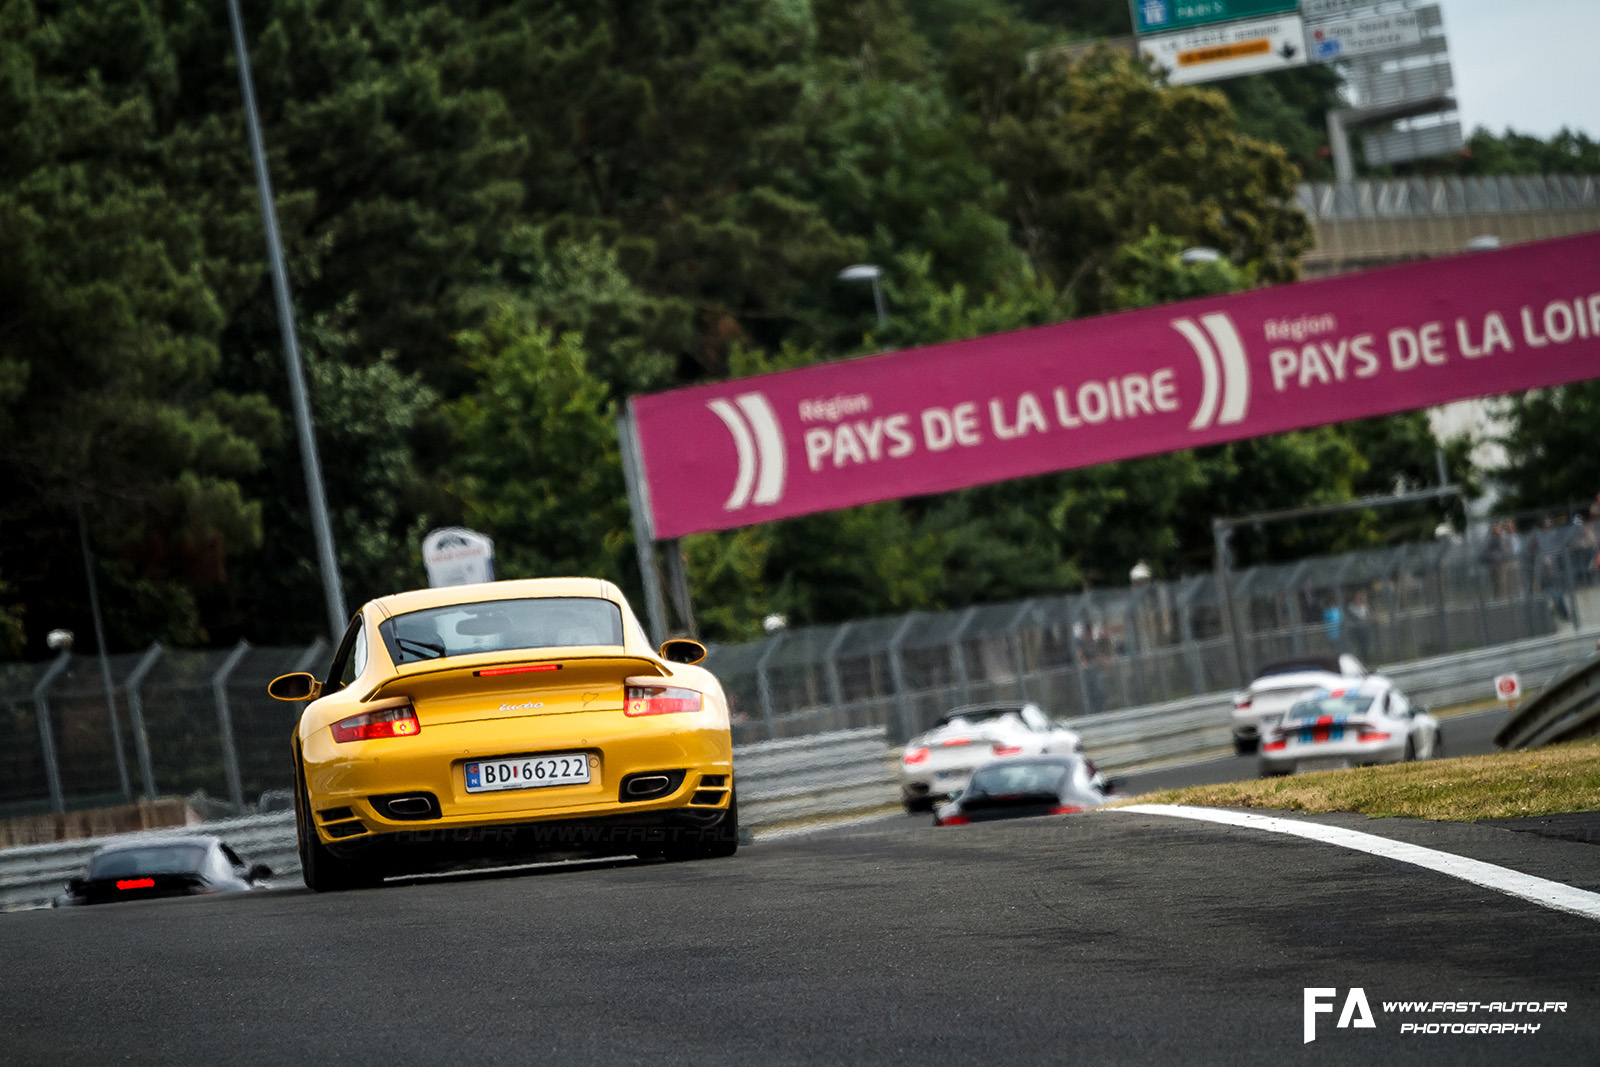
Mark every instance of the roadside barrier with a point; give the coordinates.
(1567, 709)
(851, 771)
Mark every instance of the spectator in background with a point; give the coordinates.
(1544, 565)
(1359, 614)
(1094, 655)
(1491, 558)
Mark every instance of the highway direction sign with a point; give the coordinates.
(1163, 16)
(1329, 41)
(1229, 50)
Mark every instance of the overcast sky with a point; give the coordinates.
(1528, 64)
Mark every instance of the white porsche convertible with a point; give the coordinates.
(937, 765)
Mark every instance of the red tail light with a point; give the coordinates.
(661, 700)
(1065, 809)
(137, 883)
(1273, 746)
(1369, 734)
(390, 722)
(1008, 750)
(1242, 701)
(950, 742)
(954, 820)
(914, 755)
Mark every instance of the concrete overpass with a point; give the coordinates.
(1367, 224)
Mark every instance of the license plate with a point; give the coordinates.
(528, 772)
(947, 775)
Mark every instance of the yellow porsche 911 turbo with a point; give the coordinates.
(507, 718)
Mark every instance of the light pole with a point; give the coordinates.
(869, 272)
(323, 531)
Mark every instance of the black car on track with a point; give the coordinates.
(163, 867)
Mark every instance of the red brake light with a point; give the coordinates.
(1368, 734)
(490, 672)
(390, 722)
(1007, 750)
(1065, 809)
(952, 741)
(1242, 701)
(954, 820)
(1273, 746)
(914, 755)
(137, 883)
(660, 700)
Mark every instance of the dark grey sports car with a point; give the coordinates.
(1018, 788)
(163, 867)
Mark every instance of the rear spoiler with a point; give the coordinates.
(467, 669)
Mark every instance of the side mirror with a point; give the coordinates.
(297, 686)
(259, 873)
(683, 650)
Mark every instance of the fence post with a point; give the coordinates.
(230, 752)
(47, 736)
(141, 736)
(1018, 660)
(897, 672)
(312, 653)
(764, 684)
(830, 665)
(958, 657)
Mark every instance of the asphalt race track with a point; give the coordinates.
(1103, 938)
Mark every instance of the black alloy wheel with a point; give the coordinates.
(322, 870)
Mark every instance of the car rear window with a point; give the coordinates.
(1301, 666)
(1002, 778)
(977, 715)
(150, 859)
(501, 626)
(1352, 702)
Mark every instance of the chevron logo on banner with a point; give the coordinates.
(763, 462)
(1225, 372)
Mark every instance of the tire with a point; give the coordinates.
(1437, 752)
(1411, 751)
(1244, 747)
(725, 845)
(322, 870)
(917, 805)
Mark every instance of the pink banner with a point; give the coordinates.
(929, 420)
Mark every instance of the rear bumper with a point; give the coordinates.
(1294, 757)
(342, 780)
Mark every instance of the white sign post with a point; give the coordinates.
(1228, 49)
(457, 556)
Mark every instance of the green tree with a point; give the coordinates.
(110, 378)
(1551, 458)
(536, 465)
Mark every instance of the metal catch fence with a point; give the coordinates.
(1157, 642)
(193, 722)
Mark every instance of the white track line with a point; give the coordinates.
(1538, 890)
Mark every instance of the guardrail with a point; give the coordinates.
(850, 771)
(32, 875)
(829, 774)
(1567, 709)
